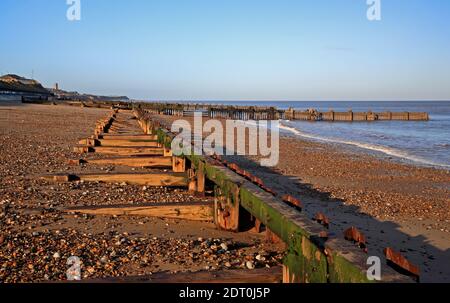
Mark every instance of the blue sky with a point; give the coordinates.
(232, 49)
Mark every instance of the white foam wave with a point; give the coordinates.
(373, 147)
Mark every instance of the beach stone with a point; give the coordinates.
(224, 246)
(250, 265)
(260, 258)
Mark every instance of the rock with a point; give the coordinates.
(260, 258)
(56, 255)
(228, 264)
(250, 265)
(224, 246)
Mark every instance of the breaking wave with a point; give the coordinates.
(367, 146)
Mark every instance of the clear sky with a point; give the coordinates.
(232, 49)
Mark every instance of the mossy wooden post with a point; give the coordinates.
(226, 209)
(304, 262)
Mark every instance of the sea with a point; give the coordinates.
(423, 143)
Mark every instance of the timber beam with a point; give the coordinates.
(118, 143)
(148, 179)
(182, 211)
(121, 150)
(127, 137)
(236, 276)
(154, 162)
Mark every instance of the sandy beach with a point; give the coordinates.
(37, 236)
(395, 205)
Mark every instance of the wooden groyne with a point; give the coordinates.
(272, 113)
(241, 200)
(247, 112)
(312, 255)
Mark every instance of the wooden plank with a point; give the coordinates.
(118, 143)
(239, 276)
(128, 151)
(182, 211)
(128, 137)
(148, 179)
(157, 161)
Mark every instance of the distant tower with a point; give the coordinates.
(56, 87)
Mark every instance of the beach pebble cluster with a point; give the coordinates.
(43, 256)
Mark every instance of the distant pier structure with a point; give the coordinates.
(272, 113)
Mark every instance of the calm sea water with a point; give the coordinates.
(423, 143)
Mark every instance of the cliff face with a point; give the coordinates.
(16, 83)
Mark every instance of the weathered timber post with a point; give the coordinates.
(192, 186)
(147, 130)
(179, 164)
(289, 114)
(201, 180)
(226, 209)
(167, 152)
(305, 262)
